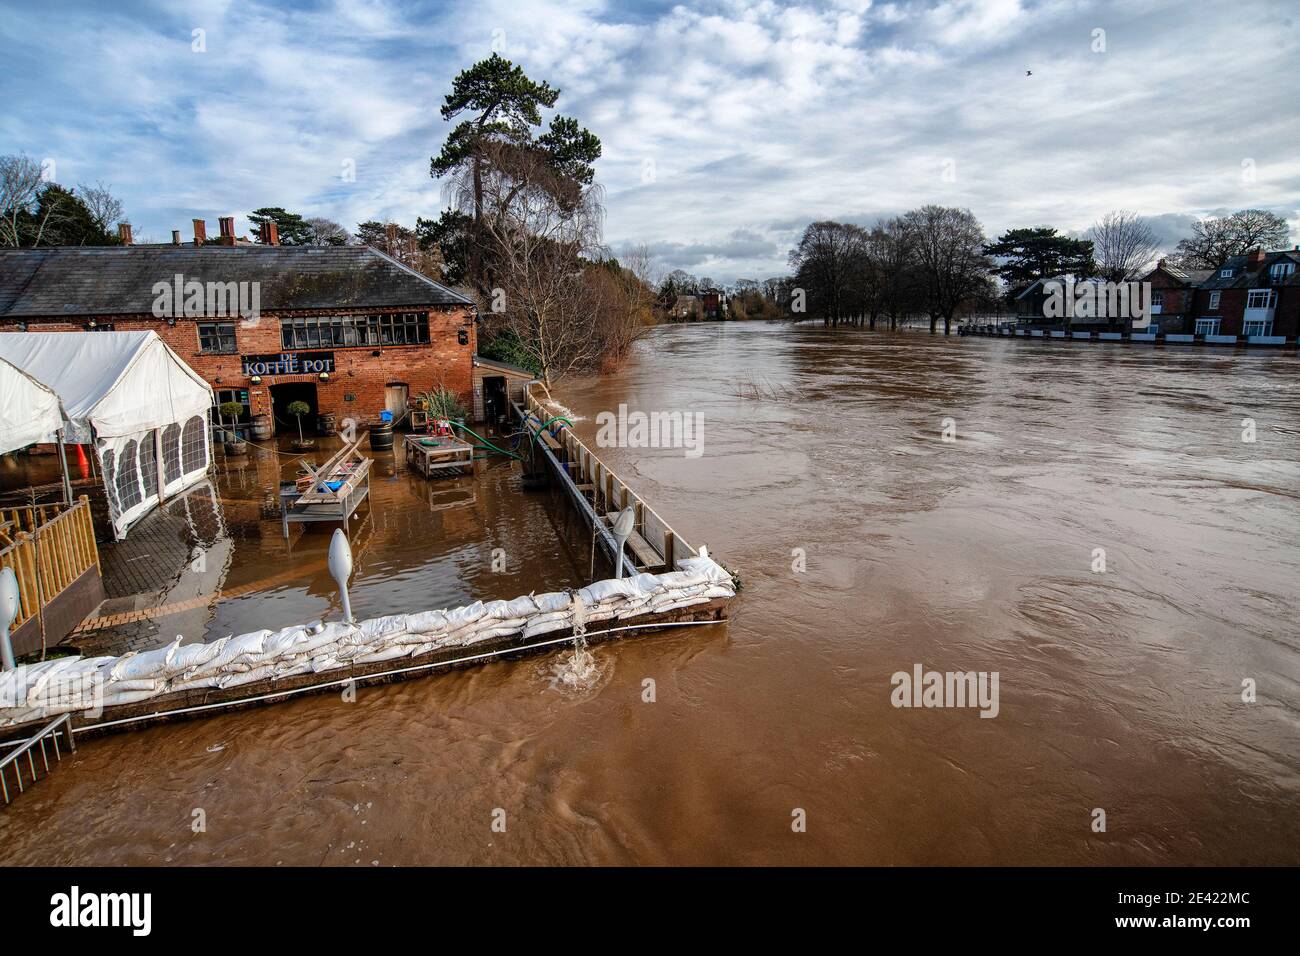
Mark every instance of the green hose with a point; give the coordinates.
(485, 443)
(545, 424)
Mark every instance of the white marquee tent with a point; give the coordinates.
(135, 398)
(29, 411)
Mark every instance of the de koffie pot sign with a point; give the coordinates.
(289, 363)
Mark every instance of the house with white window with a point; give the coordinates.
(1252, 297)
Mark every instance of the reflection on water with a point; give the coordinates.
(1120, 690)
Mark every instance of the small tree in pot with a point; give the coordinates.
(297, 410)
(235, 444)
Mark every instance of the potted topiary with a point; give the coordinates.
(297, 410)
(235, 444)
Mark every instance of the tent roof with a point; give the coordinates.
(29, 411)
(120, 383)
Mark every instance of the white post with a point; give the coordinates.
(340, 564)
(623, 526)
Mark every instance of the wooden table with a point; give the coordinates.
(440, 456)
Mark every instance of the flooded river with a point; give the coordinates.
(867, 544)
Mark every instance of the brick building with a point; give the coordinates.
(346, 329)
(1254, 296)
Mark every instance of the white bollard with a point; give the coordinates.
(340, 564)
(623, 526)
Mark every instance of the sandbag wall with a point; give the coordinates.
(63, 685)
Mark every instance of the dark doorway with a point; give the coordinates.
(495, 400)
(282, 396)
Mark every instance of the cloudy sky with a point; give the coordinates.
(727, 126)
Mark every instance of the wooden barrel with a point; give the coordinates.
(327, 423)
(381, 436)
(262, 427)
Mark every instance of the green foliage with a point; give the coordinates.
(507, 348)
(232, 410)
(298, 409)
(60, 218)
(1039, 253)
(450, 233)
(571, 149)
(293, 229)
(442, 402)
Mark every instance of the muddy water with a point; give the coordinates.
(1118, 690)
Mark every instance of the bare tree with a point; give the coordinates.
(1123, 244)
(20, 186)
(540, 225)
(105, 209)
(327, 232)
(953, 270)
(1214, 241)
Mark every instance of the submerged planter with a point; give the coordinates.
(239, 447)
(304, 444)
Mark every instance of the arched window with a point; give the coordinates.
(171, 442)
(194, 451)
(128, 478)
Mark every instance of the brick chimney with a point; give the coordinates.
(390, 234)
(1160, 264)
(124, 232)
(200, 232)
(269, 233)
(1254, 259)
(227, 226)
(176, 237)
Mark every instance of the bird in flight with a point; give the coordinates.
(1029, 72)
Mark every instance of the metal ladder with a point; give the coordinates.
(51, 731)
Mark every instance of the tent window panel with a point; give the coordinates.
(149, 465)
(171, 442)
(194, 451)
(128, 478)
(109, 472)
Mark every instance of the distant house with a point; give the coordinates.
(1257, 294)
(1173, 292)
(1030, 304)
(687, 308)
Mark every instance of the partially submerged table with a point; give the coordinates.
(337, 490)
(434, 457)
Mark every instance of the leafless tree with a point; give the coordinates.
(20, 185)
(948, 245)
(1123, 244)
(1214, 241)
(327, 232)
(539, 226)
(105, 209)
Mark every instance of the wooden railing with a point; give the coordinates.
(609, 493)
(49, 547)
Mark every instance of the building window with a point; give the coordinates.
(128, 478)
(1214, 300)
(1261, 298)
(99, 326)
(1207, 326)
(1258, 327)
(217, 337)
(1225, 273)
(240, 395)
(1157, 297)
(348, 331)
(1280, 270)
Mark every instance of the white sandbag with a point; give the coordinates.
(547, 623)
(376, 627)
(293, 667)
(237, 648)
(426, 622)
(247, 677)
(194, 683)
(459, 617)
(324, 663)
(144, 666)
(713, 572)
(188, 657)
(552, 601)
(420, 649)
(117, 698)
(520, 607)
(385, 654)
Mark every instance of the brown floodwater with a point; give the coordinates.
(1120, 691)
